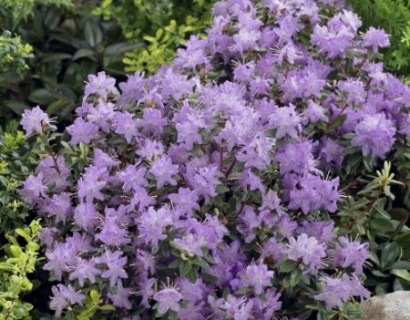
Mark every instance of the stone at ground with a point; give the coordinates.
(392, 306)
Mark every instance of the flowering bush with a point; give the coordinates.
(206, 191)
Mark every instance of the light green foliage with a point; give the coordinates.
(161, 47)
(394, 17)
(13, 55)
(19, 261)
(164, 25)
(13, 11)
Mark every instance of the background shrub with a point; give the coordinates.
(69, 42)
(394, 17)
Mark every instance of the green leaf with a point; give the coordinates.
(287, 266)
(184, 268)
(401, 265)
(41, 96)
(94, 295)
(92, 33)
(107, 307)
(403, 274)
(84, 53)
(295, 277)
(389, 254)
(23, 234)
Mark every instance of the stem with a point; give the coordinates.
(230, 168)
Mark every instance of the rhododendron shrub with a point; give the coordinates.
(207, 190)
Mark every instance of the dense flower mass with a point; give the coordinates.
(214, 178)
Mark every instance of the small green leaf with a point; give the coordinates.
(94, 295)
(184, 268)
(403, 274)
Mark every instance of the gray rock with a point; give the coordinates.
(392, 306)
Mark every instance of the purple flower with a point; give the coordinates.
(124, 124)
(60, 207)
(152, 122)
(331, 152)
(34, 121)
(205, 180)
(34, 189)
(336, 291)
(84, 270)
(308, 250)
(115, 263)
(120, 298)
(374, 134)
(55, 172)
(163, 170)
(257, 277)
(350, 253)
(152, 223)
(100, 85)
(296, 157)
(376, 38)
(321, 230)
(64, 296)
(190, 244)
(111, 234)
(132, 177)
(90, 186)
(82, 131)
(185, 201)
(146, 290)
(168, 299)
(86, 216)
(286, 122)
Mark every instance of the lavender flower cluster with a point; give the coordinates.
(207, 187)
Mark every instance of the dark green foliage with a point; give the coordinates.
(163, 24)
(394, 17)
(69, 43)
(73, 38)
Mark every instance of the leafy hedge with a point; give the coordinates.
(69, 42)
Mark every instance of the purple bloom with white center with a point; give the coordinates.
(152, 223)
(286, 122)
(60, 207)
(82, 131)
(111, 234)
(163, 170)
(307, 250)
(100, 85)
(336, 291)
(185, 200)
(34, 189)
(84, 270)
(168, 299)
(132, 177)
(350, 254)
(123, 123)
(257, 277)
(86, 216)
(374, 135)
(34, 121)
(190, 245)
